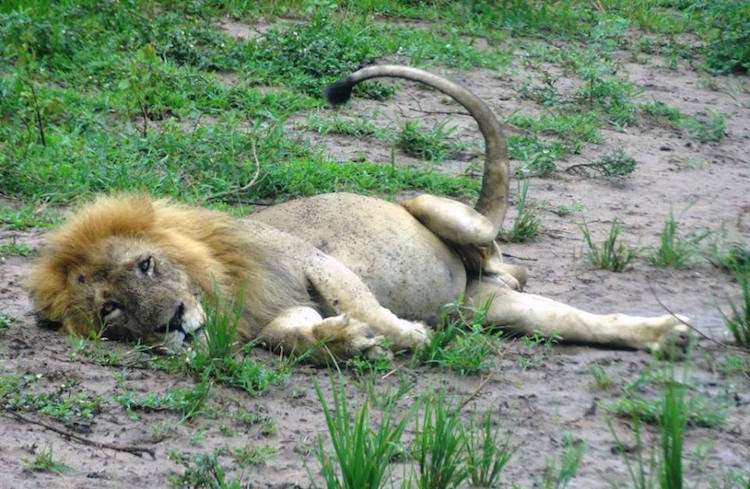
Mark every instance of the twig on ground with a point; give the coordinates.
(133, 450)
(476, 392)
(248, 185)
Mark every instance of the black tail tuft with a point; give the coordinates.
(339, 92)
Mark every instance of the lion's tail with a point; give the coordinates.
(493, 198)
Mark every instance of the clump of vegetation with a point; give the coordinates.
(460, 342)
(613, 164)
(188, 402)
(709, 127)
(218, 357)
(44, 462)
(526, 224)
(558, 475)
(672, 251)
(361, 454)
(738, 320)
(610, 255)
(486, 454)
(424, 144)
(538, 157)
(6, 321)
(439, 446)
(66, 402)
(201, 471)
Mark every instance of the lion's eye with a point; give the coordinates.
(147, 265)
(81, 279)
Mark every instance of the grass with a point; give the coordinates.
(460, 342)
(610, 255)
(220, 359)
(601, 380)
(20, 249)
(673, 251)
(44, 462)
(361, 454)
(612, 164)
(66, 402)
(424, 144)
(439, 445)
(6, 321)
(486, 454)
(201, 472)
(696, 408)
(738, 320)
(558, 474)
(190, 403)
(705, 127)
(526, 224)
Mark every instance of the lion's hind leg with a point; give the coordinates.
(302, 330)
(470, 234)
(529, 313)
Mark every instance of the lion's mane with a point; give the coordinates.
(212, 248)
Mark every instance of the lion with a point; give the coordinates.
(335, 274)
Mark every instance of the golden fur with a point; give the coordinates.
(209, 246)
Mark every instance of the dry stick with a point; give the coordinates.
(133, 450)
(246, 186)
(693, 328)
(476, 392)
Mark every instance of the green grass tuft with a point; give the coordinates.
(361, 454)
(738, 321)
(610, 255)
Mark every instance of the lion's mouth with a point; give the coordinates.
(185, 323)
(175, 323)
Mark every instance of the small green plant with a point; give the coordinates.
(21, 249)
(738, 321)
(424, 144)
(460, 342)
(6, 321)
(345, 127)
(247, 456)
(201, 472)
(44, 462)
(706, 129)
(601, 379)
(439, 446)
(672, 251)
(613, 164)
(188, 402)
(216, 358)
(526, 224)
(558, 475)
(672, 423)
(610, 255)
(538, 346)
(361, 454)
(486, 454)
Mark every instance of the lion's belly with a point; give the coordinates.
(408, 268)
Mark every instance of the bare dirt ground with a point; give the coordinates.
(705, 184)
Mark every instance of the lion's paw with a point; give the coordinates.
(412, 334)
(345, 337)
(672, 336)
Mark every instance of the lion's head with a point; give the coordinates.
(130, 265)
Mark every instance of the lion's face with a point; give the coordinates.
(134, 291)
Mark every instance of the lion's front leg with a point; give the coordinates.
(529, 313)
(345, 293)
(300, 330)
